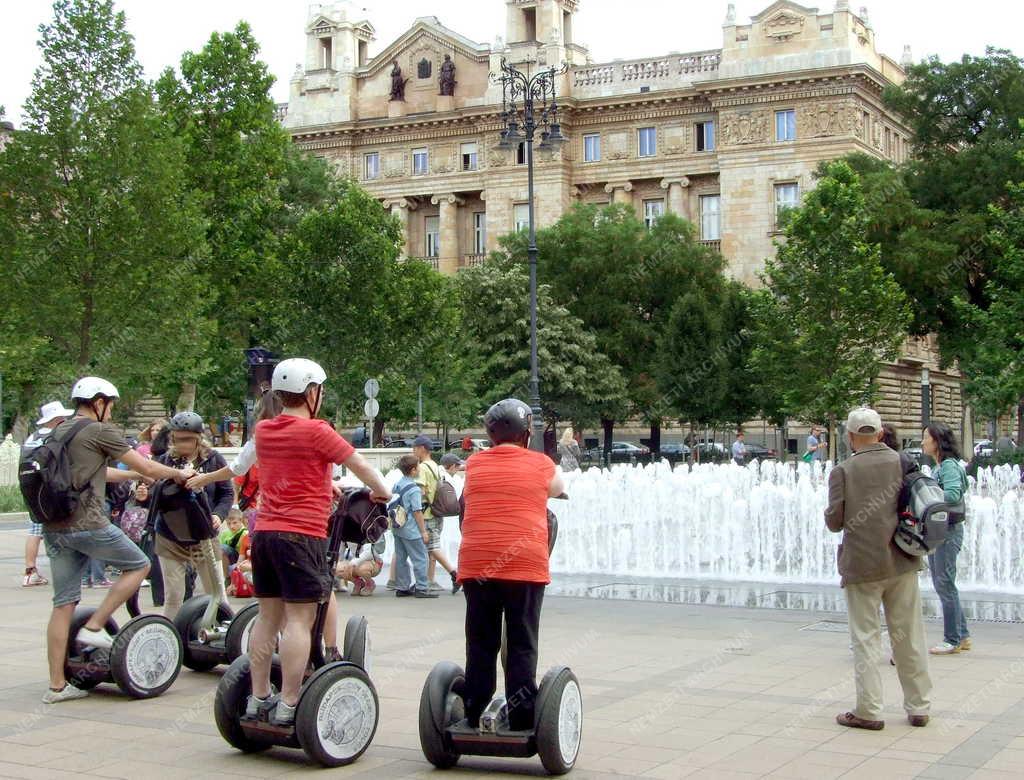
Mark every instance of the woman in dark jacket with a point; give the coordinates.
(188, 448)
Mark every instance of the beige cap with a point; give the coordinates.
(864, 420)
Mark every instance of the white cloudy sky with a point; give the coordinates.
(612, 29)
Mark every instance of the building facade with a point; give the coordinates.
(725, 137)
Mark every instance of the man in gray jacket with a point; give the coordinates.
(863, 497)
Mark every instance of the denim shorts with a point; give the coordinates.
(70, 552)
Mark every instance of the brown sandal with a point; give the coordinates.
(851, 720)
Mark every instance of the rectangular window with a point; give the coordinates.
(419, 162)
(787, 196)
(592, 148)
(521, 153)
(785, 125)
(479, 232)
(521, 217)
(652, 210)
(710, 218)
(326, 58)
(432, 236)
(372, 165)
(468, 157)
(705, 132)
(647, 142)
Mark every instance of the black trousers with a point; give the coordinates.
(519, 603)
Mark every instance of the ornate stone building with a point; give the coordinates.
(725, 137)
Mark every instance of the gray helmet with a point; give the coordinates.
(509, 421)
(186, 421)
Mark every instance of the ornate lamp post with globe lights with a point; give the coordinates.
(527, 104)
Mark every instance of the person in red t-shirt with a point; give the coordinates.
(295, 451)
(503, 560)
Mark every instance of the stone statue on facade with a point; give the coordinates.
(448, 76)
(397, 82)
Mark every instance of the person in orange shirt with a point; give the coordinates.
(503, 561)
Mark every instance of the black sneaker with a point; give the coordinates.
(456, 585)
(402, 593)
(425, 594)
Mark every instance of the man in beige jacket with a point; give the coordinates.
(863, 494)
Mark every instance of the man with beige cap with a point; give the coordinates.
(863, 496)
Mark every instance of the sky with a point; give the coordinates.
(164, 29)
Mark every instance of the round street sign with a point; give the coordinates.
(371, 388)
(371, 408)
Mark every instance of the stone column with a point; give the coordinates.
(677, 201)
(448, 224)
(402, 208)
(620, 192)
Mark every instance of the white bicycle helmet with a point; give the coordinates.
(88, 387)
(296, 374)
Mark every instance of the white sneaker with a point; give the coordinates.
(436, 586)
(67, 693)
(95, 638)
(144, 584)
(34, 578)
(944, 649)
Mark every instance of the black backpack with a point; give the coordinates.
(44, 476)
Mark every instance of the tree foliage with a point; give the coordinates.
(102, 242)
(834, 314)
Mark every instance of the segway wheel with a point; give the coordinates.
(236, 641)
(229, 703)
(187, 624)
(146, 656)
(337, 715)
(440, 706)
(79, 678)
(559, 720)
(356, 649)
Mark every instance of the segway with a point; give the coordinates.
(445, 734)
(336, 717)
(143, 662)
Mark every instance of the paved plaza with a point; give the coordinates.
(670, 691)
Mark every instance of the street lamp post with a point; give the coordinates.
(926, 398)
(260, 363)
(528, 103)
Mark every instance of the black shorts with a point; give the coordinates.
(289, 566)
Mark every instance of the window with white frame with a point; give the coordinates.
(652, 210)
(710, 217)
(705, 136)
(432, 236)
(647, 142)
(469, 157)
(371, 165)
(479, 232)
(521, 217)
(420, 162)
(787, 196)
(785, 125)
(521, 153)
(592, 147)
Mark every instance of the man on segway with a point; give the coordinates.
(295, 452)
(92, 441)
(503, 561)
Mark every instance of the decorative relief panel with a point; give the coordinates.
(783, 26)
(824, 119)
(676, 140)
(618, 145)
(395, 164)
(442, 158)
(749, 127)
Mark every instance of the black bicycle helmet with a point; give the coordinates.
(509, 422)
(186, 421)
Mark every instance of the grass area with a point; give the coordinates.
(10, 499)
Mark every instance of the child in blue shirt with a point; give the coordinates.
(411, 537)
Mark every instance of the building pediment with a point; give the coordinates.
(784, 7)
(427, 39)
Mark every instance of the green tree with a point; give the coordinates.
(102, 244)
(834, 314)
(240, 162)
(578, 382)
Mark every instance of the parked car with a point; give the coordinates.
(760, 452)
(622, 452)
(713, 452)
(675, 453)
